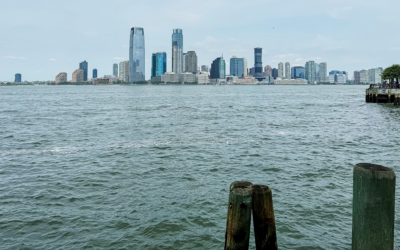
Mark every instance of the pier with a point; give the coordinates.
(383, 93)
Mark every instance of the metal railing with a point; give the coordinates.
(385, 86)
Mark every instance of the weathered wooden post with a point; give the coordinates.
(239, 216)
(373, 207)
(264, 218)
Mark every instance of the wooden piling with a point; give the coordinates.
(373, 207)
(239, 216)
(264, 218)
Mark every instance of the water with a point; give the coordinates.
(148, 167)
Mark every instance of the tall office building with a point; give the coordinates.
(280, 70)
(136, 55)
(287, 71)
(356, 76)
(18, 77)
(126, 71)
(94, 75)
(61, 77)
(78, 75)
(177, 51)
(184, 62)
(310, 72)
(191, 62)
(245, 66)
(274, 73)
(374, 76)
(364, 77)
(298, 72)
(316, 72)
(268, 70)
(158, 63)
(236, 66)
(218, 68)
(115, 69)
(84, 66)
(121, 70)
(338, 77)
(258, 63)
(252, 72)
(323, 72)
(204, 68)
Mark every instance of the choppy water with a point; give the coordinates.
(148, 167)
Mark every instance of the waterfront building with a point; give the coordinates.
(356, 76)
(177, 51)
(274, 73)
(236, 66)
(338, 77)
(323, 72)
(18, 77)
(374, 76)
(218, 68)
(297, 72)
(84, 66)
(268, 70)
(101, 81)
(115, 69)
(310, 72)
(121, 70)
(94, 75)
(172, 77)
(252, 72)
(191, 62)
(136, 55)
(258, 69)
(202, 78)
(287, 71)
(61, 77)
(158, 64)
(364, 77)
(298, 81)
(78, 75)
(204, 68)
(280, 70)
(245, 73)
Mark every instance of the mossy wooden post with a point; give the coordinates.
(239, 216)
(373, 207)
(264, 218)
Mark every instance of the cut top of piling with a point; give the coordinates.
(369, 170)
(241, 187)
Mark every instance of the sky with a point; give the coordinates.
(41, 38)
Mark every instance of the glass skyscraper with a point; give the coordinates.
(218, 68)
(94, 73)
(177, 51)
(18, 77)
(115, 69)
(310, 72)
(236, 66)
(158, 63)
(274, 73)
(258, 68)
(136, 55)
(84, 66)
(298, 72)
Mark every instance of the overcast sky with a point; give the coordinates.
(40, 38)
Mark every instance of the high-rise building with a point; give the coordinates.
(316, 72)
(78, 75)
(298, 72)
(184, 62)
(115, 69)
(61, 77)
(218, 68)
(84, 66)
(191, 62)
(374, 76)
(364, 77)
(204, 68)
(121, 70)
(177, 51)
(274, 73)
(323, 72)
(287, 71)
(258, 63)
(126, 71)
(136, 55)
(338, 77)
(94, 75)
(280, 70)
(252, 72)
(268, 70)
(310, 72)
(245, 66)
(158, 63)
(236, 66)
(18, 77)
(356, 76)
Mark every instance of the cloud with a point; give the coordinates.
(295, 59)
(119, 58)
(340, 13)
(15, 57)
(52, 59)
(395, 48)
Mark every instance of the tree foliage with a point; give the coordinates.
(391, 73)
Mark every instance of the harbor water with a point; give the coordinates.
(149, 167)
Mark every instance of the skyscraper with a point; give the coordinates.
(310, 72)
(298, 72)
(258, 63)
(244, 66)
(218, 68)
(191, 62)
(287, 71)
(323, 72)
(357, 76)
(94, 75)
(121, 70)
(126, 71)
(78, 75)
(158, 63)
(204, 68)
(236, 66)
(184, 62)
(268, 70)
(61, 77)
(280, 70)
(316, 72)
(115, 69)
(177, 51)
(274, 73)
(84, 66)
(136, 55)
(18, 77)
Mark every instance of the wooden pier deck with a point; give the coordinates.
(380, 94)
